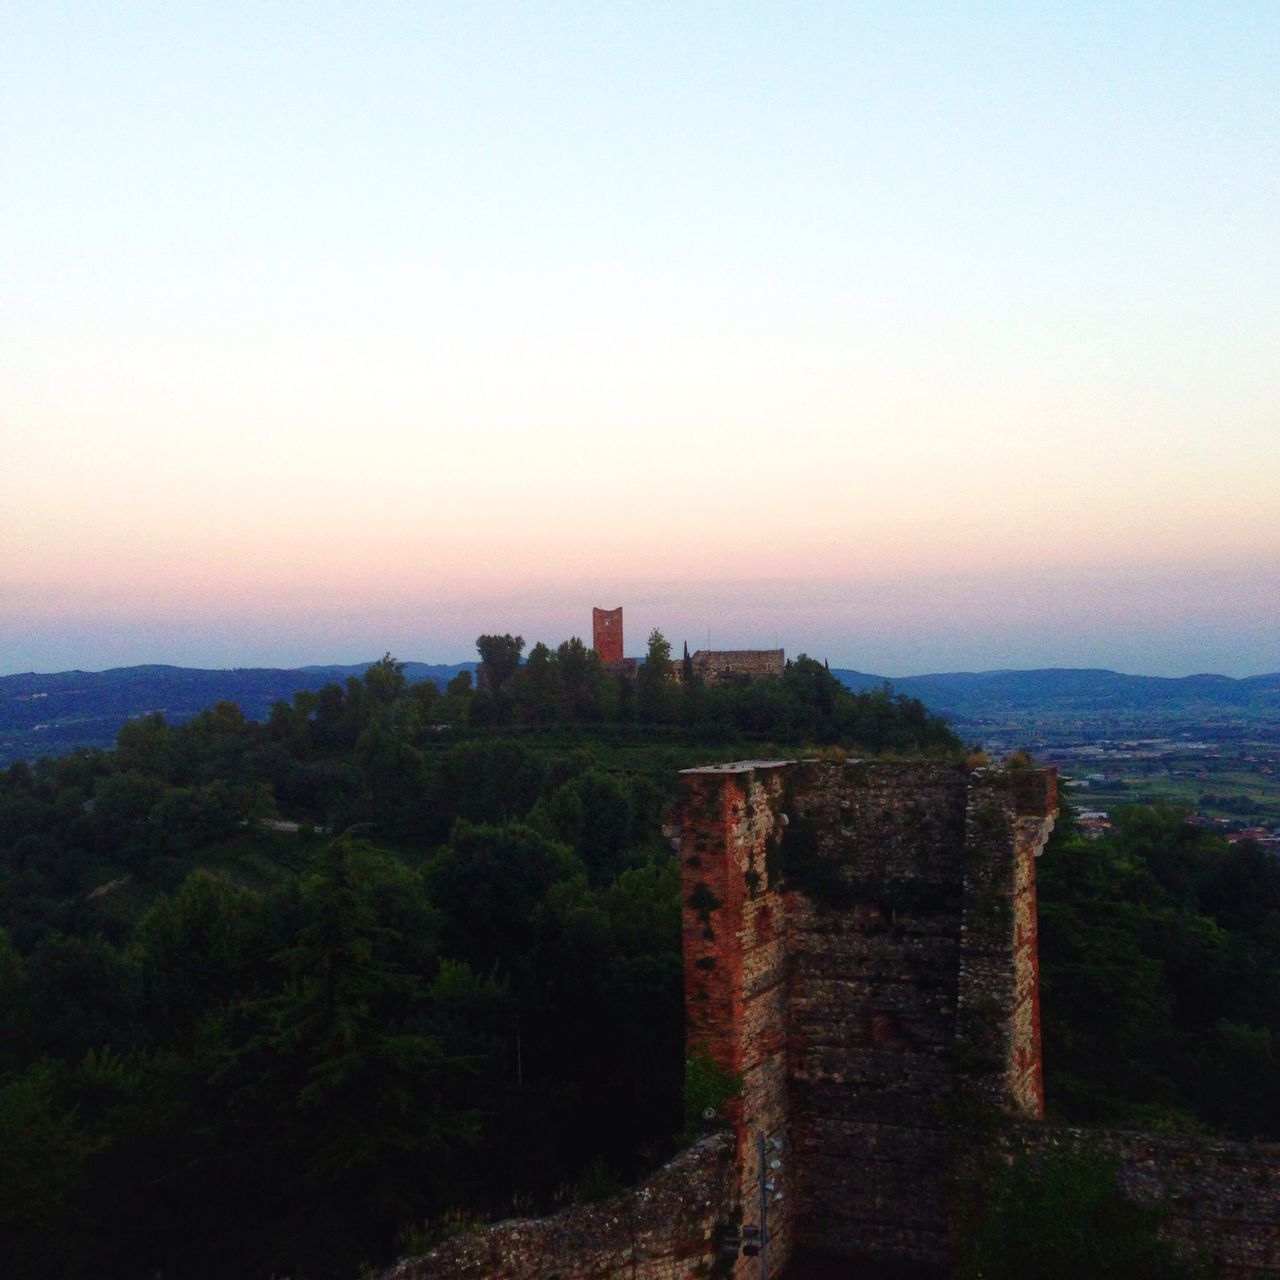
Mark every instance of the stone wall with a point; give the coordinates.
(736, 963)
(1008, 817)
(876, 964)
(1221, 1199)
(860, 946)
(720, 664)
(663, 1230)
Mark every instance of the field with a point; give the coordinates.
(1225, 771)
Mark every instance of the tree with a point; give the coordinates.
(195, 949)
(82, 992)
(455, 707)
(653, 681)
(816, 691)
(424, 700)
(487, 881)
(499, 661)
(340, 1089)
(584, 683)
(384, 682)
(539, 689)
(145, 746)
(222, 720)
(592, 814)
(491, 781)
(121, 818)
(42, 1161)
(393, 774)
(287, 724)
(187, 819)
(17, 1011)
(336, 724)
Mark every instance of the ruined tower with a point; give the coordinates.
(860, 951)
(606, 634)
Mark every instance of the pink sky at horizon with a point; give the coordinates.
(916, 339)
(897, 627)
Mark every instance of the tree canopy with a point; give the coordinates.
(276, 996)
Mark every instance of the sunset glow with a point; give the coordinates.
(915, 340)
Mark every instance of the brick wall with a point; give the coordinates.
(606, 634)
(890, 975)
(736, 962)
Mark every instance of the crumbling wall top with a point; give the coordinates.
(739, 766)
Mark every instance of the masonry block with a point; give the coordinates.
(872, 928)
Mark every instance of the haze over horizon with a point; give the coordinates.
(784, 615)
(917, 340)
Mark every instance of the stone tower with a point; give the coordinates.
(860, 951)
(606, 634)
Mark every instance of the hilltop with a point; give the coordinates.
(50, 714)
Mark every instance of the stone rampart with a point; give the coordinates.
(714, 665)
(663, 1230)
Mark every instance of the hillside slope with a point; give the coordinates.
(51, 714)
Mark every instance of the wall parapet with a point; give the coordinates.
(664, 1229)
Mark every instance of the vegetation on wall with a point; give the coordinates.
(1061, 1217)
(707, 1087)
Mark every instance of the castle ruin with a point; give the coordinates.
(859, 943)
(714, 666)
(860, 949)
(710, 665)
(606, 634)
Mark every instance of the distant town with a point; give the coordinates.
(1228, 783)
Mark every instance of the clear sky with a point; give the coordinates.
(918, 336)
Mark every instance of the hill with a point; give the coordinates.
(51, 714)
(960, 694)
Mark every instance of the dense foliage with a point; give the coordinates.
(233, 1048)
(229, 1047)
(1160, 977)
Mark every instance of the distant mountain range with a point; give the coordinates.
(968, 694)
(52, 714)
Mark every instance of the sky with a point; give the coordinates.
(915, 336)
